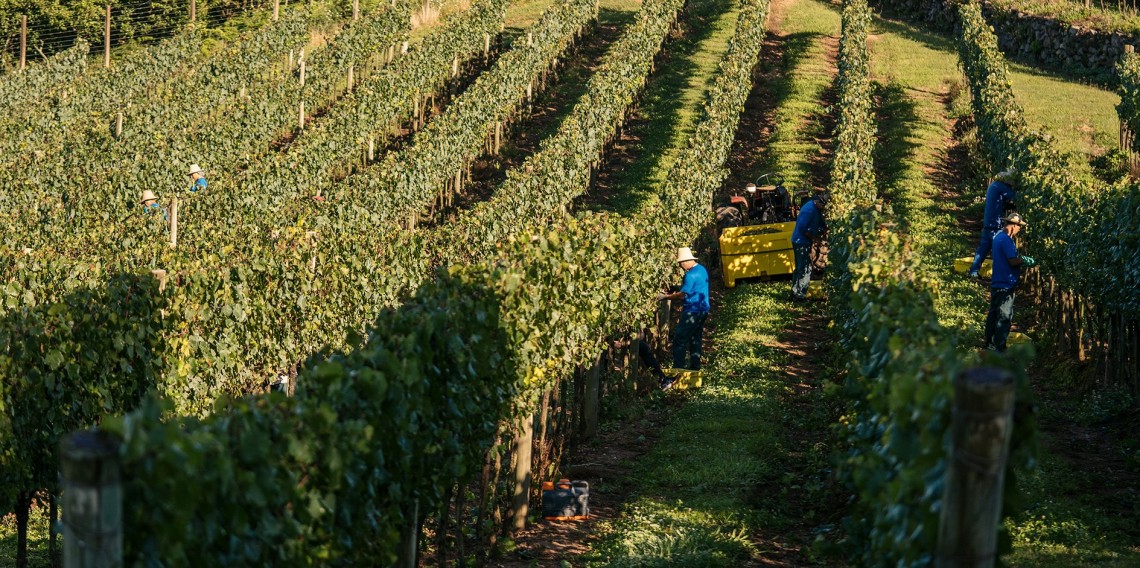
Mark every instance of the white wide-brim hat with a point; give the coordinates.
(685, 253)
(195, 169)
(147, 196)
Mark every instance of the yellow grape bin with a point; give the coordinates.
(756, 251)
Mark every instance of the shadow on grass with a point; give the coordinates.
(896, 115)
(624, 182)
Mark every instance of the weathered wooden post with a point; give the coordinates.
(301, 116)
(174, 222)
(276, 9)
(23, 42)
(355, 10)
(92, 501)
(107, 38)
(193, 10)
(975, 476)
(118, 126)
(524, 442)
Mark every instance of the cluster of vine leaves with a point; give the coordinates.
(330, 475)
(1085, 233)
(901, 362)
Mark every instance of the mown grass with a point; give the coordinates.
(670, 105)
(931, 191)
(798, 124)
(1082, 118)
(732, 461)
(1066, 521)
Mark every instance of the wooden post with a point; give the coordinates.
(92, 501)
(486, 46)
(160, 275)
(409, 541)
(118, 126)
(521, 498)
(355, 10)
(371, 150)
(348, 80)
(302, 72)
(276, 9)
(591, 400)
(107, 38)
(23, 42)
(301, 116)
(174, 221)
(975, 477)
(634, 362)
(193, 10)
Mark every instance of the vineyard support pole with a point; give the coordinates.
(301, 117)
(523, 450)
(92, 501)
(118, 126)
(107, 38)
(634, 361)
(591, 400)
(355, 10)
(409, 540)
(174, 222)
(975, 476)
(23, 41)
(193, 10)
(276, 9)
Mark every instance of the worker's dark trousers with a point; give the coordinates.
(984, 248)
(687, 338)
(999, 319)
(801, 278)
(647, 357)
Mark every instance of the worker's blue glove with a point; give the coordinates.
(1029, 261)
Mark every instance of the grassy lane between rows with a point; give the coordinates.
(739, 475)
(734, 462)
(1072, 516)
(921, 169)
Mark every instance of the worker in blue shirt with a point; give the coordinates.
(1007, 273)
(810, 226)
(150, 204)
(999, 200)
(197, 178)
(694, 293)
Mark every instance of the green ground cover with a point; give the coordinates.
(1082, 118)
(734, 461)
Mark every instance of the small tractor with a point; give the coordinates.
(755, 231)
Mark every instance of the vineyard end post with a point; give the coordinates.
(92, 501)
(107, 38)
(193, 10)
(975, 474)
(23, 41)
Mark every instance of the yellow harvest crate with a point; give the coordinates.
(962, 266)
(1017, 338)
(684, 379)
(756, 251)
